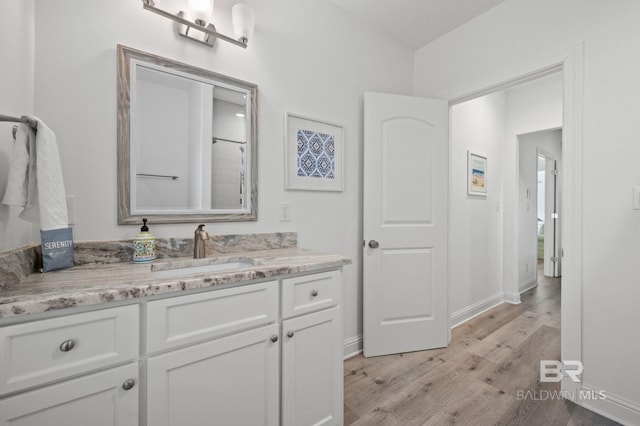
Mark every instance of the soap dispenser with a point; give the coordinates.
(144, 245)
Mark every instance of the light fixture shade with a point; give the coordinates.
(201, 10)
(243, 19)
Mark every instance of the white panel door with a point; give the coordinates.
(405, 224)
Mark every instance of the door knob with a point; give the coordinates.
(374, 244)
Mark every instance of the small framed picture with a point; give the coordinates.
(313, 154)
(476, 174)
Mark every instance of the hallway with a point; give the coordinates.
(487, 375)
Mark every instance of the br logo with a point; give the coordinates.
(551, 370)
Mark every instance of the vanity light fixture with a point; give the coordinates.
(195, 24)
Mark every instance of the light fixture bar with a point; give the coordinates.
(150, 5)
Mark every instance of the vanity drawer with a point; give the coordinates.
(309, 293)
(188, 319)
(42, 351)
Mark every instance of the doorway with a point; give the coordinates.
(571, 67)
(540, 189)
(492, 237)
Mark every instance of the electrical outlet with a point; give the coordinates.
(285, 212)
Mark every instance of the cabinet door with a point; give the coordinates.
(97, 399)
(229, 381)
(312, 369)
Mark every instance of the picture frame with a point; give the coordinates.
(314, 154)
(476, 174)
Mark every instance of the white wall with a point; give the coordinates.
(16, 99)
(307, 57)
(517, 37)
(548, 142)
(475, 223)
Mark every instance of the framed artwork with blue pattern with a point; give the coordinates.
(313, 154)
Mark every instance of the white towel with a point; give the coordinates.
(35, 178)
(17, 192)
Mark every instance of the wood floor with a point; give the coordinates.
(482, 378)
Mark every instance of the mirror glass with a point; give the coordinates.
(186, 142)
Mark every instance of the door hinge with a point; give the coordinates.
(554, 259)
(554, 172)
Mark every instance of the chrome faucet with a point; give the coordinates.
(199, 242)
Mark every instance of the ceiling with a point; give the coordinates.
(415, 23)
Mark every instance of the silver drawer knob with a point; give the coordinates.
(290, 334)
(274, 338)
(314, 293)
(67, 345)
(128, 384)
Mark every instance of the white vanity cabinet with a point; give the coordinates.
(265, 353)
(261, 354)
(45, 360)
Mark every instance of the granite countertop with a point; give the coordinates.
(90, 284)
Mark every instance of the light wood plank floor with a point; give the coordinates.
(476, 380)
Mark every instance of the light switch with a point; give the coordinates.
(636, 197)
(285, 212)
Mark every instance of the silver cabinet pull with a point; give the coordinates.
(314, 293)
(274, 338)
(290, 334)
(374, 244)
(128, 384)
(67, 345)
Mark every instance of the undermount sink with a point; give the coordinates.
(163, 270)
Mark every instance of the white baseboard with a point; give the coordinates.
(513, 298)
(612, 406)
(352, 346)
(465, 314)
(528, 285)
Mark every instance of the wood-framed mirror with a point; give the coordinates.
(187, 142)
